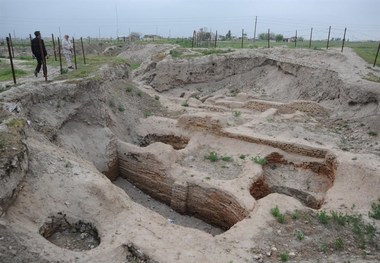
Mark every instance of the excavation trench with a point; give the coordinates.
(306, 181)
(141, 172)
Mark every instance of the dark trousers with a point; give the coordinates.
(39, 64)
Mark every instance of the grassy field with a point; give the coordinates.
(6, 72)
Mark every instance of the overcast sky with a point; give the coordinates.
(178, 18)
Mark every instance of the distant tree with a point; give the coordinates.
(279, 38)
(228, 35)
(264, 36)
(135, 35)
(300, 39)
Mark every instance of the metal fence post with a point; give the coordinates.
(10, 57)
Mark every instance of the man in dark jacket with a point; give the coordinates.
(37, 51)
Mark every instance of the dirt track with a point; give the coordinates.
(223, 138)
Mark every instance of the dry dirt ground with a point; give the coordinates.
(262, 155)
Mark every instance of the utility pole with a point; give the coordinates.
(117, 23)
(295, 41)
(254, 32)
(268, 38)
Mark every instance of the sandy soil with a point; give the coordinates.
(126, 153)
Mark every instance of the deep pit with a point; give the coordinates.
(70, 234)
(306, 181)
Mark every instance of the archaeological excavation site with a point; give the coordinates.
(167, 154)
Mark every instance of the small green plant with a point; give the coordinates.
(208, 178)
(185, 104)
(278, 215)
(15, 123)
(284, 256)
(275, 211)
(226, 158)
(129, 88)
(68, 164)
(112, 103)
(372, 133)
(121, 108)
(64, 71)
(300, 235)
(324, 247)
(236, 113)
(323, 218)
(234, 92)
(281, 218)
(135, 66)
(156, 97)
(147, 114)
(259, 160)
(175, 53)
(2, 142)
(212, 156)
(375, 211)
(339, 218)
(294, 215)
(242, 156)
(139, 93)
(339, 245)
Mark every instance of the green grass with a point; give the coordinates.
(6, 74)
(278, 215)
(175, 53)
(259, 160)
(93, 64)
(121, 108)
(212, 156)
(147, 114)
(300, 235)
(236, 113)
(323, 218)
(372, 77)
(129, 88)
(226, 158)
(339, 244)
(135, 66)
(375, 211)
(185, 104)
(294, 215)
(284, 256)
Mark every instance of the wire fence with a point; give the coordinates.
(301, 38)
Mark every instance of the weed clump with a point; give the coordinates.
(259, 160)
(212, 156)
(278, 215)
(375, 211)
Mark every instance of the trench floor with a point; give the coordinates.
(172, 216)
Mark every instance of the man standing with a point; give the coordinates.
(67, 50)
(39, 52)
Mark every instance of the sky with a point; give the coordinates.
(179, 18)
